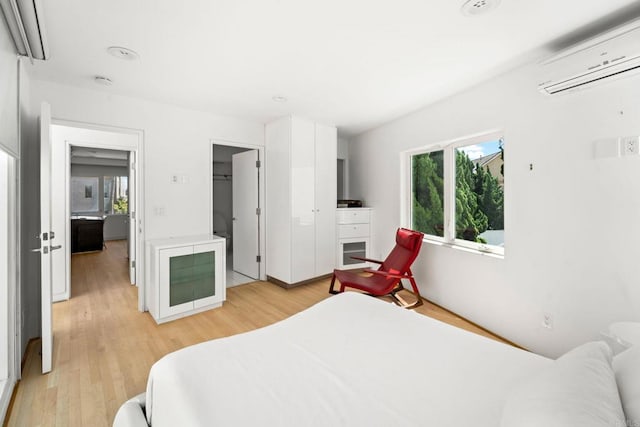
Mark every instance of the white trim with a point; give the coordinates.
(18, 171)
(261, 194)
(138, 150)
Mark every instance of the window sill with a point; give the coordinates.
(464, 248)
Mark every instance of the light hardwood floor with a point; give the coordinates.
(104, 348)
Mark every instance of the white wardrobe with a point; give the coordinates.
(301, 184)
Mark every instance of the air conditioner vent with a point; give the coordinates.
(25, 21)
(606, 57)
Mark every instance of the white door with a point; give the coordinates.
(303, 209)
(47, 243)
(246, 217)
(131, 186)
(325, 198)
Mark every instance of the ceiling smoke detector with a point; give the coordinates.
(478, 7)
(279, 98)
(104, 81)
(123, 53)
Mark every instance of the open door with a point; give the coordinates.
(47, 236)
(131, 197)
(246, 213)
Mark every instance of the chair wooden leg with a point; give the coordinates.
(333, 282)
(414, 285)
(401, 301)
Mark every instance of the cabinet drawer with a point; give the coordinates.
(353, 230)
(353, 216)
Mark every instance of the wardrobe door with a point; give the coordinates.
(303, 232)
(278, 199)
(325, 198)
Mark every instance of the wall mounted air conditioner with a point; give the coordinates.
(602, 58)
(26, 24)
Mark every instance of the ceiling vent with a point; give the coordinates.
(603, 58)
(26, 24)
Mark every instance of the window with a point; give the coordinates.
(457, 193)
(116, 191)
(428, 192)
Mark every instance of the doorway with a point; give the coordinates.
(99, 203)
(236, 212)
(95, 190)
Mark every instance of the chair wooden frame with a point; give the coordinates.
(391, 288)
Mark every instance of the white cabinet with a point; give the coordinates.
(353, 231)
(187, 276)
(301, 183)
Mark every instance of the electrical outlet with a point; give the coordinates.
(547, 321)
(629, 146)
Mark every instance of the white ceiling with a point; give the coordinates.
(352, 63)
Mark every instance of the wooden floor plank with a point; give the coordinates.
(104, 347)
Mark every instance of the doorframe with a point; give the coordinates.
(261, 196)
(138, 150)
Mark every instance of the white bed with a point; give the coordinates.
(351, 360)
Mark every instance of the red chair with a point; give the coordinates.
(387, 279)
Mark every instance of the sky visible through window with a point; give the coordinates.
(481, 150)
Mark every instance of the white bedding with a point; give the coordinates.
(351, 360)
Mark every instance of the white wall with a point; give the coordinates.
(176, 142)
(8, 93)
(571, 223)
(343, 154)
(343, 148)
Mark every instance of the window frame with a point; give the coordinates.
(103, 181)
(449, 176)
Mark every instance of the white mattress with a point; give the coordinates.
(349, 360)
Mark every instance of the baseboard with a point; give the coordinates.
(295, 285)
(111, 238)
(7, 393)
(6, 411)
(511, 343)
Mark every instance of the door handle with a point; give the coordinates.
(56, 247)
(43, 250)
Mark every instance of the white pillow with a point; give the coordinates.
(626, 366)
(628, 331)
(578, 390)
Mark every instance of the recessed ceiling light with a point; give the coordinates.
(279, 98)
(478, 7)
(104, 81)
(123, 53)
